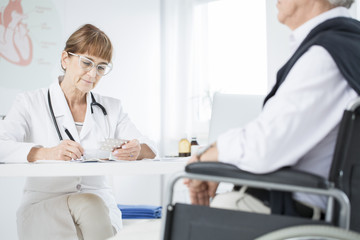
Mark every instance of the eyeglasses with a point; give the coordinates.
(87, 65)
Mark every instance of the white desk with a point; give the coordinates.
(125, 168)
(144, 167)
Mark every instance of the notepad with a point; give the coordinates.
(52, 161)
(83, 160)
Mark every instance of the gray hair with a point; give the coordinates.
(342, 3)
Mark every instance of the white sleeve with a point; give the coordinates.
(307, 106)
(126, 129)
(13, 131)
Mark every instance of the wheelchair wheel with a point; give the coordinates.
(313, 232)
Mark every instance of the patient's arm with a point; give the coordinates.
(201, 191)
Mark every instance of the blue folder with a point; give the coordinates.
(139, 211)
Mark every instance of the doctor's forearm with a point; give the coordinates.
(145, 152)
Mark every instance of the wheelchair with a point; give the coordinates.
(342, 217)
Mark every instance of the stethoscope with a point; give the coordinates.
(93, 103)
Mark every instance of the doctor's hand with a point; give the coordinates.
(129, 151)
(66, 151)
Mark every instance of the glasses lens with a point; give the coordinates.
(85, 63)
(103, 69)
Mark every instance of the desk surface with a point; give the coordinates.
(143, 167)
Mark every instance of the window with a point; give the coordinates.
(207, 46)
(229, 52)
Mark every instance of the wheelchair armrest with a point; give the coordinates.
(283, 176)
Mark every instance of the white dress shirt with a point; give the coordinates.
(298, 126)
(29, 123)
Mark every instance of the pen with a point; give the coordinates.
(72, 139)
(69, 134)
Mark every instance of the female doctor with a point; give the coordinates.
(63, 122)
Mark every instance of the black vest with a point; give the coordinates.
(341, 38)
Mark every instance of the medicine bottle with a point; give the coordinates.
(194, 146)
(184, 148)
(194, 141)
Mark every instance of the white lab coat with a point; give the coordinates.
(29, 123)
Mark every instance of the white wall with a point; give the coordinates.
(277, 41)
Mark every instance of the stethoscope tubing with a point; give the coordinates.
(93, 103)
(53, 116)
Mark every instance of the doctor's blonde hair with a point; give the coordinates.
(91, 40)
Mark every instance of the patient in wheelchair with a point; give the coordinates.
(299, 122)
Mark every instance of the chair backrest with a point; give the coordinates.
(345, 169)
(231, 111)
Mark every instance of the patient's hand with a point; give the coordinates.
(201, 191)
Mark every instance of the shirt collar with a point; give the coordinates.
(63, 114)
(58, 100)
(299, 34)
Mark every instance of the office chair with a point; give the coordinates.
(184, 221)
